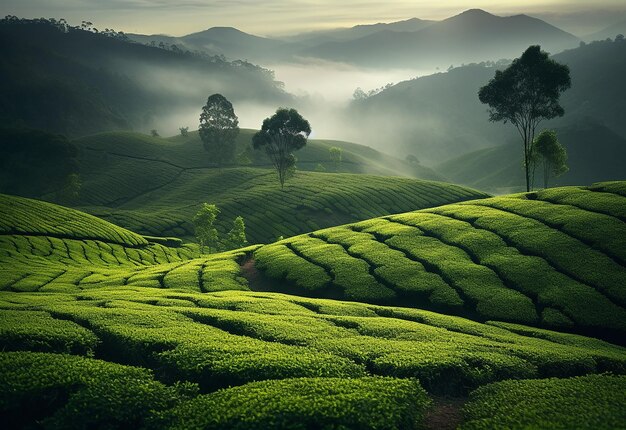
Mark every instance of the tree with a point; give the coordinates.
(548, 150)
(154, 133)
(281, 134)
(336, 156)
(219, 127)
(237, 235)
(206, 233)
(526, 93)
(184, 131)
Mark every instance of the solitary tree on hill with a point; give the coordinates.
(237, 235)
(219, 127)
(526, 93)
(548, 150)
(336, 155)
(281, 134)
(204, 223)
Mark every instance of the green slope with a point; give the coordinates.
(45, 247)
(555, 258)
(595, 153)
(587, 402)
(89, 319)
(155, 186)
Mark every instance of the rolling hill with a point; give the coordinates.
(439, 117)
(168, 343)
(154, 186)
(316, 38)
(595, 153)
(471, 36)
(229, 42)
(610, 32)
(553, 258)
(76, 82)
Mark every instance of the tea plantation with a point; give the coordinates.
(154, 186)
(554, 259)
(101, 327)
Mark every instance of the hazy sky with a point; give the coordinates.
(273, 17)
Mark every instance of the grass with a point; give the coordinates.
(588, 402)
(552, 259)
(154, 187)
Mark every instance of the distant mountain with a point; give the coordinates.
(71, 81)
(609, 32)
(230, 42)
(474, 35)
(343, 34)
(439, 116)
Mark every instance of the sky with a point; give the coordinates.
(281, 17)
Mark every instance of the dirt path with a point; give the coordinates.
(446, 413)
(257, 281)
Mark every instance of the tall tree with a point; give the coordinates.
(219, 127)
(526, 93)
(548, 150)
(281, 134)
(336, 156)
(204, 223)
(237, 235)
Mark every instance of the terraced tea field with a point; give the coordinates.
(310, 201)
(102, 326)
(154, 186)
(232, 339)
(554, 259)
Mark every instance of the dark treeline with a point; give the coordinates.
(79, 80)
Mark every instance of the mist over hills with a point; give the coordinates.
(608, 32)
(474, 35)
(438, 117)
(345, 34)
(76, 82)
(229, 42)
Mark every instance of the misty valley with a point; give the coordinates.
(414, 223)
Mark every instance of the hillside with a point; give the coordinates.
(610, 32)
(471, 36)
(230, 42)
(73, 81)
(319, 37)
(595, 153)
(154, 186)
(554, 259)
(439, 117)
(89, 319)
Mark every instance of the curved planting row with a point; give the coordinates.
(48, 264)
(22, 216)
(231, 338)
(555, 258)
(310, 201)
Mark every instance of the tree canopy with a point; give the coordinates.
(204, 223)
(281, 134)
(548, 150)
(526, 93)
(219, 127)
